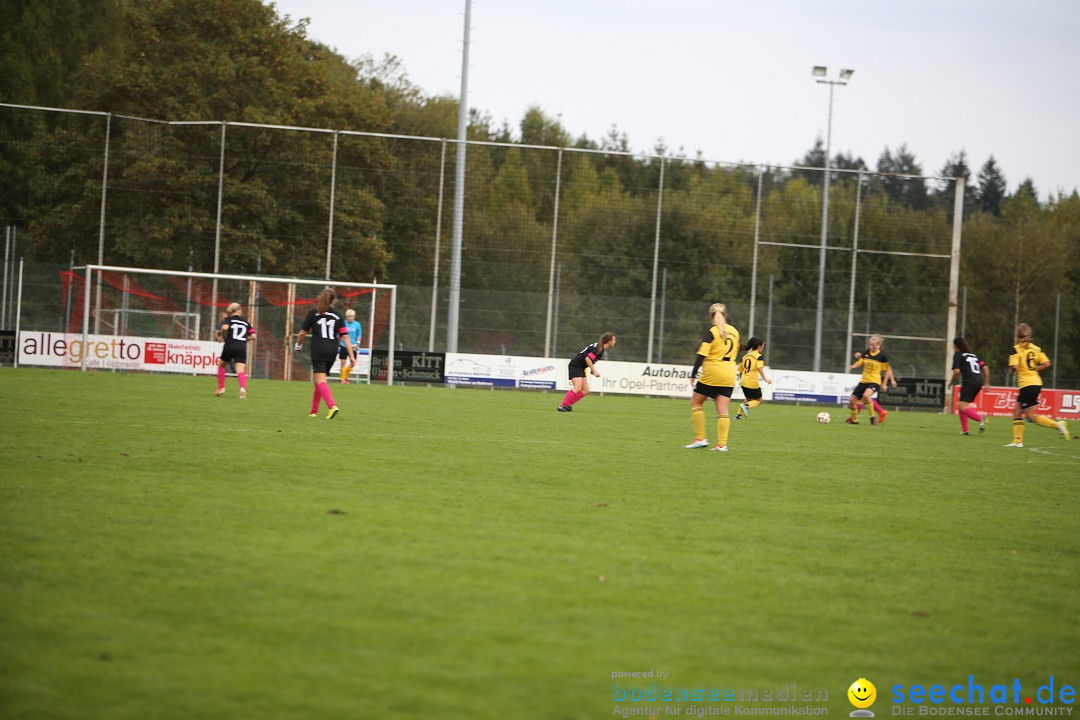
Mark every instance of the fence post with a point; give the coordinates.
(554, 248)
(757, 238)
(438, 238)
(854, 264)
(954, 271)
(656, 259)
(333, 188)
(217, 229)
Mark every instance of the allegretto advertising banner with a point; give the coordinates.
(118, 352)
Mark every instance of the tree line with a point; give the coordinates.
(238, 60)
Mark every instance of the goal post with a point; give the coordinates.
(177, 313)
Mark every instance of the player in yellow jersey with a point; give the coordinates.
(716, 357)
(874, 365)
(751, 368)
(1027, 362)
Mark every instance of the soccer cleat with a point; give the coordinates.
(219, 392)
(1019, 444)
(738, 416)
(849, 421)
(873, 421)
(565, 408)
(881, 417)
(965, 433)
(243, 393)
(1064, 430)
(982, 425)
(745, 410)
(314, 415)
(333, 413)
(719, 448)
(703, 442)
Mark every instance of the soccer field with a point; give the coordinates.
(440, 553)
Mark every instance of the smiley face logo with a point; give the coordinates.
(862, 693)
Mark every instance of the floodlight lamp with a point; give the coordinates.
(819, 70)
(846, 74)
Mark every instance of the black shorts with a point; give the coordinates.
(343, 352)
(968, 390)
(713, 391)
(322, 363)
(861, 388)
(1028, 397)
(234, 353)
(575, 370)
(751, 393)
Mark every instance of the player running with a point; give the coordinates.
(973, 374)
(586, 359)
(874, 364)
(752, 367)
(327, 328)
(234, 330)
(1027, 362)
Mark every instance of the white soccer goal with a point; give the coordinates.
(163, 320)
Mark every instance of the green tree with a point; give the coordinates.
(235, 61)
(992, 187)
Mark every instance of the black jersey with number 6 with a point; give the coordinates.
(326, 330)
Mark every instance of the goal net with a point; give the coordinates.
(123, 318)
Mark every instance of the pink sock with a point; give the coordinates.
(876, 406)
(315, 398)
(963, 422)
(577, 396)
(327, 396)
(221, 377)
(568, 399)
(242, 377)
(970, 412)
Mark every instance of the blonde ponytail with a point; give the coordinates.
(718, 317)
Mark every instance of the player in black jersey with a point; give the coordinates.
(586, 359)
(327, 328)
(972, 372)
(234, 330)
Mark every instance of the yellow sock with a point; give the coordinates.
(1018, 430)
(753, 403)
(347, 371)
(723, 424)
(344, 372)
(855, 413)
(1045, 421)
(697, 418)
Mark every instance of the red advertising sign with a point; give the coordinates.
(1000, 401)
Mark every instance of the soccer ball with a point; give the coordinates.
(823, 418)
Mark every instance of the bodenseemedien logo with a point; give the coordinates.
(862, 695)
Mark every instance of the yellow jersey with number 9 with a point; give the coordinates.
(718, 369)
(1026, 358)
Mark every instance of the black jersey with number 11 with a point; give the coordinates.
(326, 330)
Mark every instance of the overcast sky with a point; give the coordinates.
(733, 79)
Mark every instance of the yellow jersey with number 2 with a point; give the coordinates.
(718, 369)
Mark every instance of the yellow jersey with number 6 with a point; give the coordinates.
(1026, 358)
(718, 369)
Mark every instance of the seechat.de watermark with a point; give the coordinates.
(972, 697)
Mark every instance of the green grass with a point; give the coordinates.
(437, 553)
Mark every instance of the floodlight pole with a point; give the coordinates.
(844, 75)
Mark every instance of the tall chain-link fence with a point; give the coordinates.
(557, 244)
